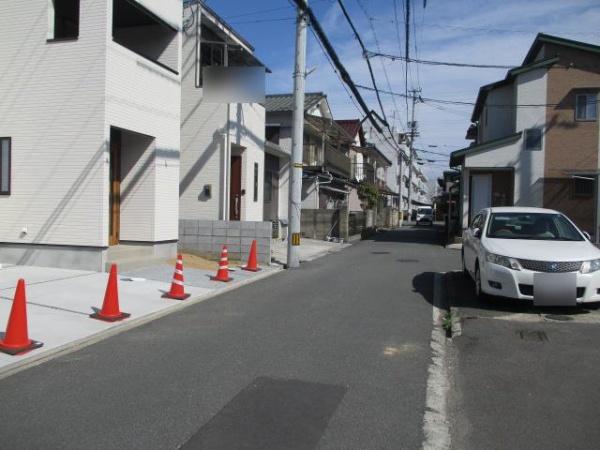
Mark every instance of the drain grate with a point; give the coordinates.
(406, 260)
(533, 335)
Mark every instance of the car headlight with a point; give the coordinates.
(505, 261)
(590, 266)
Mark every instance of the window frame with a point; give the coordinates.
(52, 37)
(9, 139)
(579, 194)
(541, 142)
(255, 196)
(586, 95)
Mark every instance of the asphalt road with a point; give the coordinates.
(332, 355)
(523, 377)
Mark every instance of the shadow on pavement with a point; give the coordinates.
(423, 284)
(411, 234)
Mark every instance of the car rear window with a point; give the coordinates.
(534, 226)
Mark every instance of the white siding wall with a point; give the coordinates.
(138, 178)
(500, 121)
(52, 105)
(248, 130)
(528, 165)
(145, 98)
(203, 138)
(167, 10)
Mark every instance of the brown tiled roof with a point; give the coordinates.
(351, 126)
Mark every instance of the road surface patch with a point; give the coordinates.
(271, 413)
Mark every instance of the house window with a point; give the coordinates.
(63, 19)
(585, 107)
(255, 182)
(272, 134)
(5, 166)
(583, 187)
(268, 186)
(533, 139)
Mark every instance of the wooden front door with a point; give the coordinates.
(115, 187)
(235, 190)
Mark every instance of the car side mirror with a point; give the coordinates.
(587, 235)
(477, 233)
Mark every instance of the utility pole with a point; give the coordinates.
(295, 199)
(413, 130)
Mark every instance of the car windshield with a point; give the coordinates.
(534, 226)
(424, 211)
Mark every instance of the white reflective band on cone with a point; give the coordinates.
(179, 282)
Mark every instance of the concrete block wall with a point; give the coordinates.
(319, 223)
(207, 237)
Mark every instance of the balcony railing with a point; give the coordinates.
(363, 172)
(337, 161)
(333, 159)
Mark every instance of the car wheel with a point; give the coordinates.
(478, 291)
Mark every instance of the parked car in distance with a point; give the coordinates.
(424, 215)
(532, 254)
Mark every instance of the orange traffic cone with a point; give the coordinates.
(223, 272)
(110, 308)
(252, 260)
(16, 339)
(177, 291)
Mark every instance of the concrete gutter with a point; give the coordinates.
(127, 325)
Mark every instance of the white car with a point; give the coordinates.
(424, 215)
(533, 254)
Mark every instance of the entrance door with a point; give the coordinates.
(235, 190)
(115, 187)
(481, 192)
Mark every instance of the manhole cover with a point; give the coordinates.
(560, 317)
(532, 335)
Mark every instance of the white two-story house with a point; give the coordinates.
(222, 142)
(89, 130)
(536, 135)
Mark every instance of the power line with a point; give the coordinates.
(261, 11)
(280, 19)
(437, 63)
(336, 60)
(387, 78)
(337, 73)
(362, 45)
(457, 102)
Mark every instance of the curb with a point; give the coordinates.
(125, 326)
(456, 328)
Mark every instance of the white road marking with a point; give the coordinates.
(436, 429)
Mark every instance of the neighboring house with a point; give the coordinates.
(327, 168)
(222, 144)
(536, 135)
(89, 130)
(369, 164)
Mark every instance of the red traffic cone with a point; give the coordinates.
(16, 339)
(223, 272)
(177, 291)
(110, 308)
(252, 260)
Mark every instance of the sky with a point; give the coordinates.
(497, 32)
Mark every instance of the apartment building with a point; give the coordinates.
(89, 130)
(536, 135)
